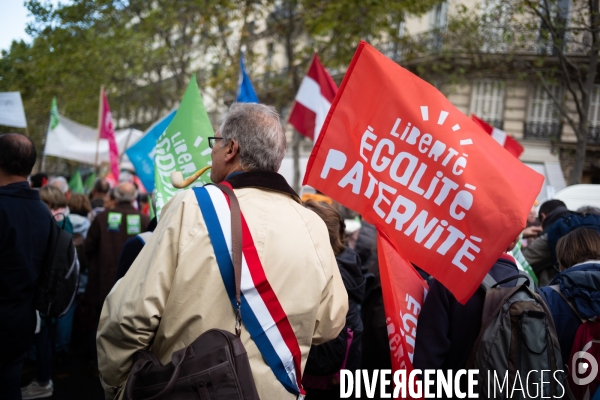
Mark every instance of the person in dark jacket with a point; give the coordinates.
(557, 221)
(321, 374)
(537, 253)
(99, 192)
(24, 230)
(579, 281)
(446, 329)
(105, 239)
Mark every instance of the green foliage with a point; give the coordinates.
(144, 52)
(338, 26)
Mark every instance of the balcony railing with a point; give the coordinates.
(593, 134)
(498, 123)
(542, 130)
(491, 40)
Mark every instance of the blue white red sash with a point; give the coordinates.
(262, 314)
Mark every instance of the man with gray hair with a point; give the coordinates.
(105, 239)
(177, 288)
(61, 183)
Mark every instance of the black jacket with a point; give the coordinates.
(24, 229)
(447, 330)
(327, 358)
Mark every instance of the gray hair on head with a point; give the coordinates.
(259, 133)
(125, 193)
(589, 210)
(61, 183)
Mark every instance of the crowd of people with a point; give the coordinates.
(159, 287)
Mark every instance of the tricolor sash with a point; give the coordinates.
(262, 314)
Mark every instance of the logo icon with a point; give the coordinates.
(580, 368)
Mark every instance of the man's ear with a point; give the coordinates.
(232, 150)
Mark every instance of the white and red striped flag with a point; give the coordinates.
(510, 144)
(313, 100)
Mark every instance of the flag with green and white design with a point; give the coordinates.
(522, 263)
(183, 146)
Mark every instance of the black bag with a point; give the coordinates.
(215, 366)
(59, 278)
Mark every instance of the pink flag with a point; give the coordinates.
(107, 131)
(313, 100)
(510, 144)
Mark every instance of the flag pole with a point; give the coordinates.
(96, 167)
(43, 167)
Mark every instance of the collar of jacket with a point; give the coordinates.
(19, 189)
(263, 180)
(554, 215)
(123, 207)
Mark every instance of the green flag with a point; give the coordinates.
(183, 146)
(75, 183)
(53, 114)
(88, 185)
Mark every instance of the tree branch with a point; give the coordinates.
(546, 19)
(556, 101)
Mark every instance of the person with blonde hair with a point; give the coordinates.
(56, 201)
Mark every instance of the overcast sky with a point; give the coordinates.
(13, 19)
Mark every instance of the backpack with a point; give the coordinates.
(59, 278)
(517, 336)
(587, 340)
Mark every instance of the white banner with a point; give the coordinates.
(11, 110)
(73, 141)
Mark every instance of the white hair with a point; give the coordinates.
(259, 133)
(61, 183)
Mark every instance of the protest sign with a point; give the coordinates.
(404, 292)
(394, 149)
(183, 147)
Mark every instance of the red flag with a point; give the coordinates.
(394, 149)
(404, 292)
(313, 100)
(107, 131)
(510, 144)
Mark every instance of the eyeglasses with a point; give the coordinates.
(212, 140)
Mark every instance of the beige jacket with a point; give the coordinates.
(174, 292)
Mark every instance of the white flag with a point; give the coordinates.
(77, 142)
(11, 110)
